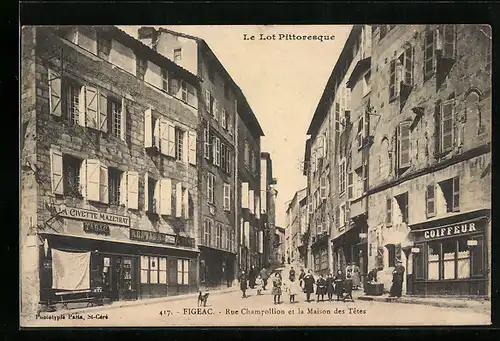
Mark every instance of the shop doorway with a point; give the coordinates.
(121, 277)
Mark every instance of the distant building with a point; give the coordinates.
(267, 206)
(279, 245)
(296, 225)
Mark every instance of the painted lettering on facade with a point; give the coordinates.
(450, 231)
(78, 213)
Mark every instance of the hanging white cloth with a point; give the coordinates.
(70, 271)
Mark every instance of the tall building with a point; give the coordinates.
(229, 159)
(279, 250)
(334, 161)
(296, 224)
(267, 204)
(430, 176)
(108, 167)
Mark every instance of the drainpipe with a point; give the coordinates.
(235, 196)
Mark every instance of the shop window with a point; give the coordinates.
(477, 258)
(207, 232)
(391, 252)
(402, 201)
(449, 248)
(463, 260)
(418, 262)
(218, 236)
(433, 260)
(71, 170)
(183, 271)
(177, 55)
(430, 201)
(451, 192)
(114, 186)
(153, 270)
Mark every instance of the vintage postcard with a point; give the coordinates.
(322, 175)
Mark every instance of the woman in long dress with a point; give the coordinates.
(356, 279)
(320, 288)
(339, 284)
(309, 285)
(277, 282)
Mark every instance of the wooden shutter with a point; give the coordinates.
(146, 193)
(93, 175)
(388, 211)
(83, 178)
(55, 93)
(123, 188)
(322, 182)
(56, 162)
(257, 206)
(165, 196)
(223, 118)
(185, 203)
(430, 201)
(226, 190)
(123, 121)
(148, 128)
(91, 107)
(251, 204)
(216, 109)
(164, 140)
(133, 190)
(192, 147)
(447, 125)
(244, 195)
(157, 133)
(185, 146)
(350, 184)
(82, 116)
(157, 197)
(449, 41)
(178, 199)
(171, 139)
(103, 112)
(456, 194)
(437, 128)
(103, 184)
(207, 101)
(404, 145)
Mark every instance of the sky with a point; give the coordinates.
(282, 81)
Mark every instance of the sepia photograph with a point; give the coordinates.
(255, 175)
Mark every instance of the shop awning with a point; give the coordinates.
(462, 218)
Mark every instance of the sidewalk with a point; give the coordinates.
(141, 302)
(477, 305)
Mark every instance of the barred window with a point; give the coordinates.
(179, 143)
(115, 113)
(72, 102)
(114, 182)
(71, 173)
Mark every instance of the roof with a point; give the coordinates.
(295, 196)
(361, 66)
(154, 56)
(250, 119)
(324, 102)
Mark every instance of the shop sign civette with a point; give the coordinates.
(102, 217)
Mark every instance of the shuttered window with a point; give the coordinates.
(165, 80)
(71, 174)
(227, 197)
(404, 145)
(210, 187)
(206, 142)
(430, 201)
(342, 176)
(449, 41)
(429, 53)
(114, 184)
(388, 211)
(392, 80)
(115, 114)
(179, 144)
(72, 101)
(447, 111)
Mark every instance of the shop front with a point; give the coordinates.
(450, 256)
(319, 250)
(349, 247)
(216, 268)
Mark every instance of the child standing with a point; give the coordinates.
(258, 284)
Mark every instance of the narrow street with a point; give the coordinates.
(230, 309)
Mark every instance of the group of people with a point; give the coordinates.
(331, 285)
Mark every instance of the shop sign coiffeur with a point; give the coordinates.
(101, 217)
(450, 231)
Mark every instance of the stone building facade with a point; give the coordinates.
(430, 172)
(109, 166)
(296, 224)
(267, 207)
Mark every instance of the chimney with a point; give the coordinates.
(147, 35)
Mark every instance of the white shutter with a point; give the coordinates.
(157, 134)
(247, 233)
(257, 206)
(146, 192)
(123, 189)
(251, 204)
(227, 197)
(93, 184)
(55, 93)
(261, 241)
(214, 150)
(244, 195)
(216, 109)
(91, 101)
(103, 184)
(185, 147)
(56, 162)
(207, 100)
(223, 118)
(165, 196)
(192, 147)
(185, 203)
(103, 112)
(148, 128)
(81, 107)
(217, 149)
(123, 122)
(83, 178)
(163, 136)
(133, 190)
(171, 139)
(178, 199)
(157, 197)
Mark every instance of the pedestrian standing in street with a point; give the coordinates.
(277, 283)
(356, 277)
(291, 274)
(293, 289)
(258, 284)
(320, 288)
(243, 283)
(349, 271)
(339, 284)
(288, 259)
(265, 276)
(301, 278)
(397, 280)
(252, 274)
(309, 285)
(329, 286)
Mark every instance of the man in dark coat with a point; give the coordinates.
(301, 278)
(243, 283)
(265, 277)
(252, 275)
(309, 285)
(397, 280)
(291, 274)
